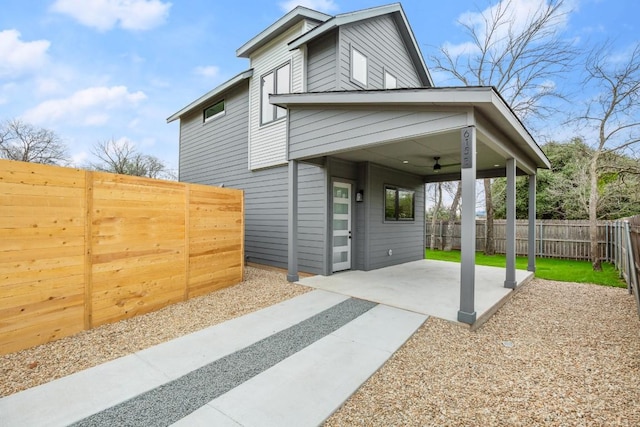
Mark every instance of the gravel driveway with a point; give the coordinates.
(556, 354)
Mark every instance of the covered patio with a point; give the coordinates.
(443, 134)
(426, 287)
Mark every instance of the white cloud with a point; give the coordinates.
(106, 14)
(210, 71)
(86, 107)
(19, 57)
(319, 5)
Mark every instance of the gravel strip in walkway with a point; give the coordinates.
(175, 400)
(557, 354)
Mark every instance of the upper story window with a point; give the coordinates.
(359, 67)
(274, 82)
(390, 82)
(216, 110)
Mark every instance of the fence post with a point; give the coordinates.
(631, 274)
(88, 250)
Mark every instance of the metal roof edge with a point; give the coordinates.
(212, 93)
(296, 15)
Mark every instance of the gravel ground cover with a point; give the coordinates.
(31, 367)
(557, 353)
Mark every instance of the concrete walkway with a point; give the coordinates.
(293, 363)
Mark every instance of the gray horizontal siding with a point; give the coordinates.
(405, 239)
(321, 64)
(319, 132)
(216, 153)
(380, 41)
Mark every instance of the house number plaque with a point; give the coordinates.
(467, 147)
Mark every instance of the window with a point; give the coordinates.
(399, 204)
(274, 82)
(216, 110)
(390, 82)
(359, 67)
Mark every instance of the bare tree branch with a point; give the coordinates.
(121, 157)
(24, 142)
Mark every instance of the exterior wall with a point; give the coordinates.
(380, 41)
(267, 144)
(321, 63)
(405, 239)
(216, 153)
(325, 131)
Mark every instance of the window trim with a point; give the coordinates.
(206, 119)
(352, 76)
(396, 219)
(384, 82)
(275, 108)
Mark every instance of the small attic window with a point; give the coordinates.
(359, 67)
(216, 110)
(390, 81)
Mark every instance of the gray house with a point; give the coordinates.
(332, 133)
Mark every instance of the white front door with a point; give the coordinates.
(341, 226)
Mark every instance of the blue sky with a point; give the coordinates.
(94, 70)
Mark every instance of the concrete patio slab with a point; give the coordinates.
(425, 286)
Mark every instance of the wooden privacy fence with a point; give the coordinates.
(554, 238)
(628, 259)
(79, 249)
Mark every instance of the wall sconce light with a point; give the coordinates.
(360, 196)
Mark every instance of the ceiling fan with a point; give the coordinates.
(437, 166)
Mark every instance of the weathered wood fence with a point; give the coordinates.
(554, 239)
(628, 259)
(618, 242)
(79, 249)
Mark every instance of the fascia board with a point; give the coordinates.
(212, 94)
(281, 25)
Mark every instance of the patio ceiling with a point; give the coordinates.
(416, 156)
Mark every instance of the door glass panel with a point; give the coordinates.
(340, 257)
(340, 241)
(340, 208)
(340, 224)
(340, 193)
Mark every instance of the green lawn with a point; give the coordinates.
(546, 268)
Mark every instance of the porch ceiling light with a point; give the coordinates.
(437, 166)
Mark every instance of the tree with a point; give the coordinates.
(614, 116)
(121, 157)
(519, 57)
(563, 191)
(24, 142)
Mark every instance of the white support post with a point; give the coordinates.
(510, 235)
(467, 312)
(292, 273)
(531, 240)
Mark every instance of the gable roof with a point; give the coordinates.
(209, 96)
(279, 27)
(395, 9)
